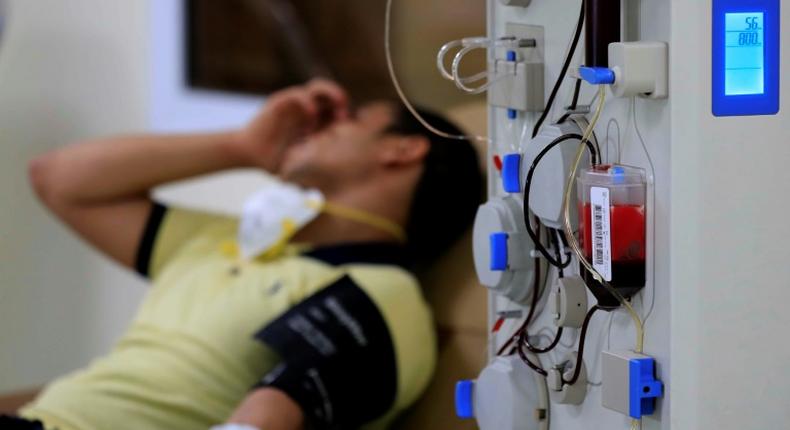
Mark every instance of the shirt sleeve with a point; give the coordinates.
(338, 360)
(167, 231)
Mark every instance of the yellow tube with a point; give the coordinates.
(574, 243)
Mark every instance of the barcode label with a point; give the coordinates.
(601, 232)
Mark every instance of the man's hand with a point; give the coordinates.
(101, 188)
(289, 116)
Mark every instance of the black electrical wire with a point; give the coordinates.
(523, 327)
(524, 340)
(526, 359)
(549, 348)
(563, 72)
(528, 184)
(562, 240)
(574, 103)
(580, 355)
(521, 333)
(556, 245)
(576, 92)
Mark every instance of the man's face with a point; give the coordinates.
(344, 151)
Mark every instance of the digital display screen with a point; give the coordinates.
(744, 55)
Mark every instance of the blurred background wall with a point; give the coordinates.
(75, 69)
(68, 70)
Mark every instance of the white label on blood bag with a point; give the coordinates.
(601, 232)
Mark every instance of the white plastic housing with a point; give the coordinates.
(518, 86)
(564, 394)
(504, 215)
(568, 302)
(640, 69)
(508, 395)
(548, 182)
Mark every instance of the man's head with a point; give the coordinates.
(384, 152)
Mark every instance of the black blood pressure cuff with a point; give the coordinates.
(338, 359)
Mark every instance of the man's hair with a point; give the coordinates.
(447, 194)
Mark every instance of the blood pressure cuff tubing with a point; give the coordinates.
(338, 360)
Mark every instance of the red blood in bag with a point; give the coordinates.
(627, 225)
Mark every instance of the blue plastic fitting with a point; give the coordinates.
(597, 75)
(464, 400)
(498, 252)
(644, 388)
(618, 174)
(511, 173)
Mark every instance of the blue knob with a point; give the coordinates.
(597, 75)
(511, 173)
(498, 252)
(618, 174)
(464, 401)
(643, 388)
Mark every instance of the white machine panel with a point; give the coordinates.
(714, 304)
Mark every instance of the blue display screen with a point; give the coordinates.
(744, 54)
(746, 60)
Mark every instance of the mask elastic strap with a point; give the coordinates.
(362, 217)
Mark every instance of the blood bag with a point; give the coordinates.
(611, 201)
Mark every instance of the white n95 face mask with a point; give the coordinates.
(272, 216)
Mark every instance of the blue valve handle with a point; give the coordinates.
(644, 387)
(511, 173)
(498, 252)
(597, 75)
(464, 399)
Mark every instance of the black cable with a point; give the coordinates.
(563, 238)
(556, 245)
(563, 72)
(574, 103)
(528, 184)
(580, 355)
(549, 348)
(576, 92)
(523, 327)
(564, 241)
(521, 334)
(526, 359)
(524, 340)
(594, 138)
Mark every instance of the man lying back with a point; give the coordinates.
(305, 313)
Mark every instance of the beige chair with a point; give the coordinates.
(459, 304)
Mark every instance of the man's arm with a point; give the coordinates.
(101, 188)
(269, 409)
